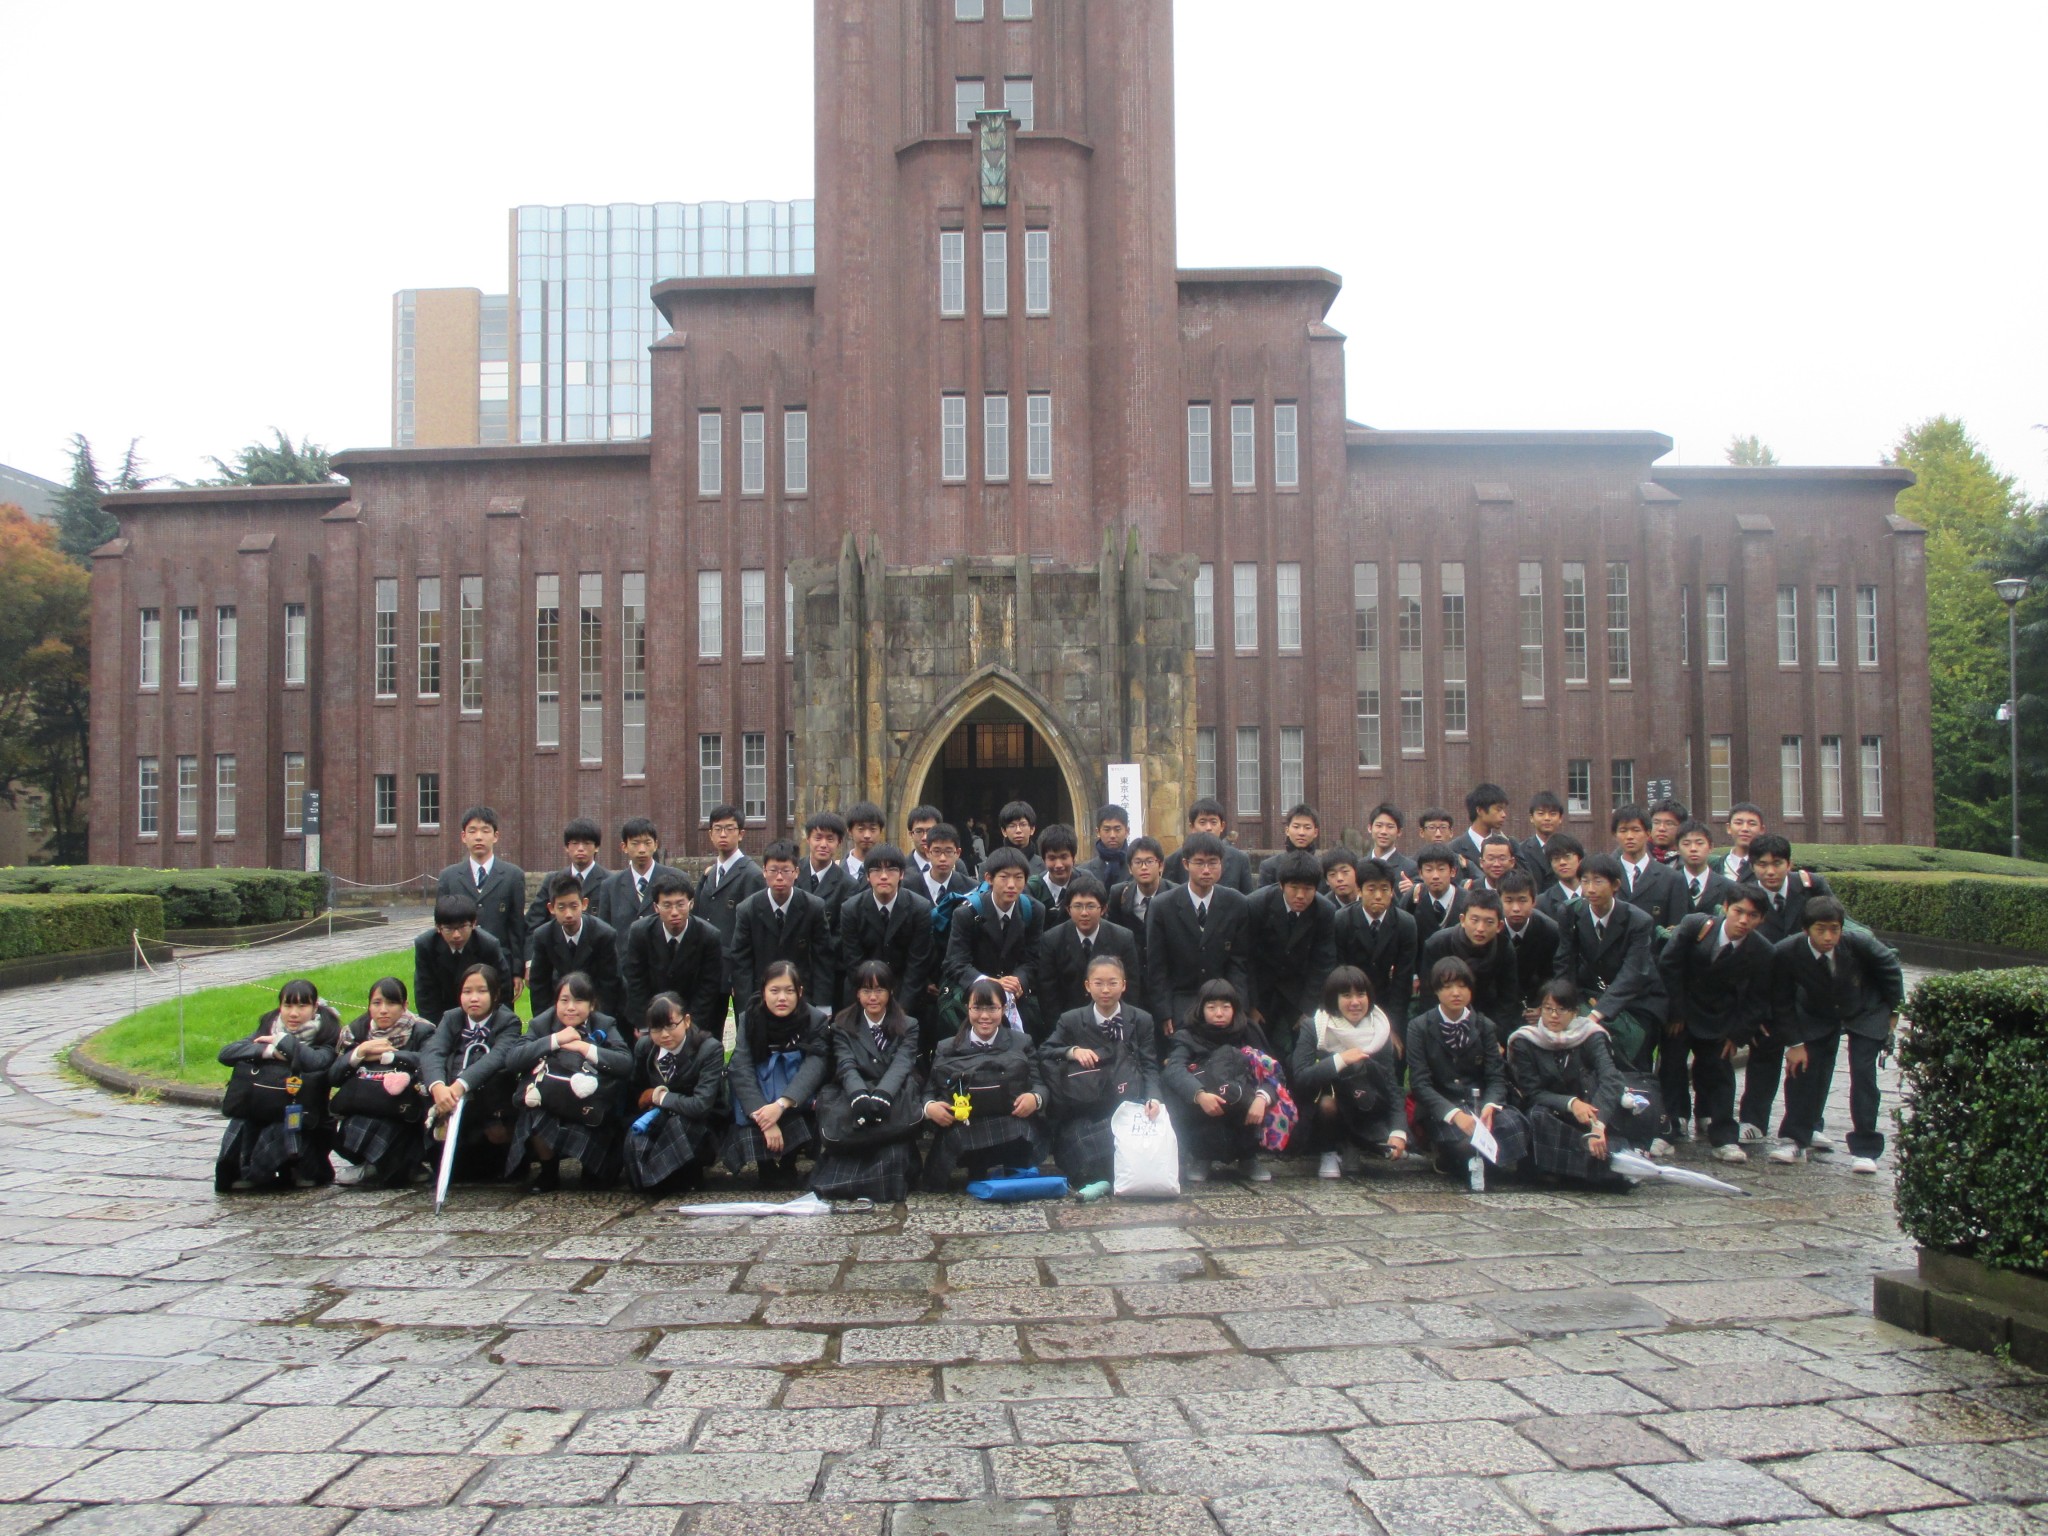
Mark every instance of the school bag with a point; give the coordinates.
(565, 1085)
(992, 1082)
(382, 1091)
(260, 1091)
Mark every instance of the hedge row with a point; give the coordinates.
(1972, 1177)
(1909, 856)
(1961, 908)
(192, 898)
(60, 925)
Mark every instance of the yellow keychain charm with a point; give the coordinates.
(962, 1107)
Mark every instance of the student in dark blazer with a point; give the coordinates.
(1457, 1075)
(1646, 884)
(628, 895)
(1383, 827)
(673, 950)
(1788, 890)
(1567, 855)
(1486, 815)
(1206, 815)
(1476, 939)
(941, 874)
(1717, 974)
(1745, 826)
(580, 840)
(1606, 949)
(884, 920)
(445, 951)
(1377, 936)
(1532, 936)
(1437, 901)
(1111, 862)
(1301, 832)
(1130, 901)
(1111, 1046)
(1291, 930)
(1065, 951)
(730, 877)
(571, 940)
(1830, 981)
(996, 934)
(781, 923)
(1195, 933)
(498, 887)
(824, 874)
(1706, 888)
(1057, 850)
(1546, 816)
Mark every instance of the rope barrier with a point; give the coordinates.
(406, 884)
(194, 950)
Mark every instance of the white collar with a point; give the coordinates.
(1102, 1019)
(780, 907)
(725, 864)
(1637, 867)
(1450, 1018)
(482, 871)
(571, 937)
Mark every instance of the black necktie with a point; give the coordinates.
(478, 871)
(1087, 950)
(640, 888)
(1599, 930)
(1695, 883)
(780, 913)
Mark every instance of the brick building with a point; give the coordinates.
(997, 496)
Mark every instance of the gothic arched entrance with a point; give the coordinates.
(992, 746)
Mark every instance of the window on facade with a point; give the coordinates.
(995, 437)
(754, 776)
(953, 437)
(1791, 777)
(633, 674)
(1408, 641)
(469, 643)
(1831, 776)
(1244, 606)
(590, 667)
(1720, 775)
(796, 453)
(789, 777)
(384, 798)
(710, 453)
(1016, 10)
(429, 670)
(150, 649)
(1037, 271)
(427, 802)
(753, 453)
(294, 794)
(1578, 786)
(710, 775)
(1866, 626)
(224, 794)
(1529, 615)
(788, 615)
(1788, 626)
(1017, 101)
(952, 272)
(1038, 436)
(188, 647)
(1618, 658)
(1456, 696)
(1873, 777)
(1244, 470)
(1205, 762)
(188, 796)
(1205, 607)
(385, 637)
(1287, 607)
(1293, 779)
(1685, 788)
(710, 615)
(1201, 473)
(1621, 781)
(1574, 622)
(967, 10)
(753, 613)
(1826, 632)
(547, 661)
(225, 662)
(294, 645)
(1248, 792)
(969, 97)
(1717, 626)
(148, 788)
(1286, 446)
(1365, 626)
(995, 272)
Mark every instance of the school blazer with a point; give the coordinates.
(1055, 902)
(1535, 955)
(745, 1081)
(1269, 868)
(1123, 911)
(1290, 957)
(1099, 868)
(1619, 969)
(1543, 1078)
(1180, 956)
(621, 905)
(1387, 956)
(903, 941)
(614, 1063)
(1421, 906)
(978, 947)
(441, 1056)
(1556, 901)
(1860, 995)
(1439, 1079)
(803, 937)
(1785, 920)
(695, 1080)
(959, 880)
(1399, 865)
(1237, 870)
(437, 970)
(1077, 1027)
(1535, 862)
(1497, 990)
(1314, 1072)
(1718, 994)
(1063, 975)
(1720, 862)
(694, 969)
(1716, 890)
(858, 1067)
(719, 898)
(500, 905)
(831, 888)
(1659, 891)
(537, 912)
(595, 953)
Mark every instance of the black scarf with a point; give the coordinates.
(769, 1033)
(1240, 1032)
(1115, 863)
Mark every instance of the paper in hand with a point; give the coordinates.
(1483, 1142)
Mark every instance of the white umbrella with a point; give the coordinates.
(448, 1154)
(1638, 1166)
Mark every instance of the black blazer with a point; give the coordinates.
(1237, 870)
(1440, 1079)
(1722, 994)
(1618, 972)
(437, 970)
(1659, 890)
(1535, 862)
(904, 941)
(1269, 869)
(978, 947)
(441, 1056)
(1496, 973)
(1715, 891)
(1063, 975)
(621, 905)
(1429, 917)
(500, 905)
(1077, 1027)
(594, 879)
(1039, 889)
(1785, 920)
(718, 899)
(1535, 955)
(1313, 1073)
(1290, 957)
(1387, 956)
(1860, 995)
(1179, 956)
(1556, 901)
(1548, 1079)
(595, 953)
(1720, 863)
(693, 969)
(695, 1079)
(915, 881)
(810, 1077)
(856, 1066)
(803, 937)
(1123, 911)
(614, 1061)
(1399, 865)
(832, 887)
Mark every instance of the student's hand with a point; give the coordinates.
(1727, 1050)
(1407, 885)
(1257, 1112)
(444, 1100)
(1011, 985)
(1596, 1143)
(1488, 1113)
(1259, 1018)
(1463, 1121)
(771, 1138)
(1583, 1112)
(518, 986)
(1532, 1015)
(1352, 1057)
(1397, 1144)
(1594, 1015)
(1795, 1060)
(562, 1039)
(367, 1049)
(1152, 1108)
(1026, 1106)
(1081, 1056)
(939, 1113)
(766, 1116)
(1209, 1103)
(660, 1097)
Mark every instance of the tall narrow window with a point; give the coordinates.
(953, 437)
(150, 649)
(1287, 604)
(1720, 775)
(710, 775)
(225, 661)
(1286, 445)
(1019, 103)
(1578, 786)
(1205, 607)
(754, 776)
(1831, 776)
(188, 647)
(1456, 697)
(1827, 651)
(796, 453)
(1621, 781)
(789, 777)
(788, 615)
(1037, 271)
(1293, 779)
(294, 645)
(1866, 626)
(1574, 622)
(426, 801)
(1244, 606)
(1788, 626)
(753, 613)
(1529, 612)
(952, 272)
(1244, 468)
(224, 794)
(1408, 640)
(1365, 625)
(1038, 436)
(295, 794)
(1791, 778)
(969, 97)
(710, 615)
(429, 668)
(469, 640)
(1201, 471)
(188, 797)
(1873, 777)
(1619, 664)
(148, 789)
(753, 453)
(386, 637)
(1248, 791)
(1685, 626)
(710, 453)
(995, 437)
(1205, 762)
(547, 661)
(633, 674)
(384, 802)
(1717, 625)
(995, 272)
(590, 667)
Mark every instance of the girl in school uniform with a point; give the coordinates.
(778, 1064)
(1218, 1104)
(464, 1061)
(380, 1101)
(871, 1109)
(1562, 1072)
(679, 1088)
(1347, 1076)
(1459, 1079)
(995, 1069)
(570, 1071)
(276, 1103)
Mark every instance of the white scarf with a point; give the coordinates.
(1336, 1034)
(1544, 1038)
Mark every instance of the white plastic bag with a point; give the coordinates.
(1147, 1153)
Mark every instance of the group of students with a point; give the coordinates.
(1507, 1006)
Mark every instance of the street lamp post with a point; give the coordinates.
(2011, 589)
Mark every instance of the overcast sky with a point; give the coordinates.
(1816, 222)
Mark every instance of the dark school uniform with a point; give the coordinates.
(500, 907)
(800, 933)
(691, 964)
(626, 898)
(1656, 889)
(991, 1076)
(900, 937)
(1462, 1068)
(1360, 1105)
(720, 892)
(265, 1151)
(831, 885)
(1198, 1063)
(688, 1123)
(982, 942)
(775, 1058)
(1080, 1101)
(1269, 867)
(1612, 961)
(1719, 991)
(1535, 948)
(959, 882)
(1237, 870)
(1556, 900)
(1732, 866)
(593, 881)
(1111, 871)
(472, 1052)
(1185, 948)
(1040, 889)
(1766, 1066)
(1818, 999)
(594, 1145)
(1545, 1077)
(875, 1161)
(1496, 977)
(1707, 891)
(1127, 909)
(1533, 855)
(437, 969)
(390, 1146)
(1291, 955)
(1431, 913)
(1386, 950)
(1400, 866)
(1064, 955)
(594, 951)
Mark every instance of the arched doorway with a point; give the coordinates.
(992, 755)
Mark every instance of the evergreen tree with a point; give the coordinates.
(276, 463)
(1751, 450)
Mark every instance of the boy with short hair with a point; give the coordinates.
(1546, 815)
(1130, 900)
(1531, 934)
(580, 841)
(445, 951)
(1829, 981)
(824, 873)
(1017, 821)
(1437, 900)
(1717, 974)
(1111, 864)
(1436, 823)
(1195, 933)
(1644, 882)
(1057, 849)
(1706, 888)
(1745, 826)
(1206, 816)
(864, 833)
(1496, 860)
(884, 919)
(997, 935)
(780, 922)
(673, 950)
(1566, 854)
(1067, 950)
(1340, 876)
(1292, 934)
(573, 939)
(1475, 939)
(1486, 812)
(1300, 832)
(498, 887)
(1667, 816)
(919, 824)
(1606, 948)
(1384, 826)
(1788, 890)
(729, 879)
(942, 873)
(1378, 937)
(628, 895)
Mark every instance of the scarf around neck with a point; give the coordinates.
(303, 1033)
(397, 1034)
(1335, 1033)
(1583, 1029)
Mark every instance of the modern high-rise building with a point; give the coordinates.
(450, 372)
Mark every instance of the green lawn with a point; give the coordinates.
(147, 1041)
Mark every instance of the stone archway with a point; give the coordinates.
(993, 709)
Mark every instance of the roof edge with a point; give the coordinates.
(1780, 474)
(1653, 443)
(493, 453)
(328, 493)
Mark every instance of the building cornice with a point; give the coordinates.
(327, 494)
(1652, 443)
(495, 453)
(1783, 474)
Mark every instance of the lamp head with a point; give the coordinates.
(2011, 588)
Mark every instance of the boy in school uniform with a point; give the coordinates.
(1476, 939)
(780, 922)
(1486, 812)
(1532, 935)
(1131, 900)
(1653, 887)
(498, 887)
(1496, 861)
(729, 879)
(1292, 931)
(1017, 821)
(1717, 974)
(998, 936)
(1667, 819)
(1566, 854)
(1706, 888)
(445, 951)
(1377, 936)
(1788, 890)
(1300, 833)
(1195, 933)
(1435, 825)
(1827, 982)
(1340, 876)
(628, 895)
(823, 872)
(1437, 900)
(1111, 864)
(1384, 826)
(864, 834)
(1745, 826)
(1546, 815)
(1057, 850)
(1206, 816)
(673, 950)
(573, 939)
(580, 840)
(886, 920)
(1606, 948)
(919, 824)
(941, 875)
(1066, 951)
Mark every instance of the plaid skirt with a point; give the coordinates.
(1085, 1149)
(743, 1142)
(370, 1141)
(881, 1174)
(262, 1152)
(595, 1147)
(999, 1139)
(1510, 1133)
(671, 1145)
(1560, 1147)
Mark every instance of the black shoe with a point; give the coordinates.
(548, 1180)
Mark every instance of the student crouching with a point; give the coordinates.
(988, 1070)
(569, 1071)
(1566, 1083)
(1459, 1079)
(870, 1111)
(1219, 1093)
(679, 1080)
(1347, 1076)
(380, 1099)
(462, 1061)
(276, 1100)
(779, 1058)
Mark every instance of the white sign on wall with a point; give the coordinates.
(1127, 789)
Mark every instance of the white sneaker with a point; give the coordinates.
(1788, 1152)
(1257, 1171)
(1730, 1154)
(1331, 1167)
(1752, 1132)
(1864, 1165)
(1822, 1142)
(1659, 1147)
(1196, 1174)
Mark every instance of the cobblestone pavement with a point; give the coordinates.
(1385, 1355)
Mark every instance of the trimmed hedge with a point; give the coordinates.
(1961, 908)
(192, 898)
(66, 924)
(1973, 1176)
(1874, 857)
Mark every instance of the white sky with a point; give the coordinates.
(1817, 222)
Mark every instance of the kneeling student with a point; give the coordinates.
(870, 1109)
(1458, 1078)
(1097, 1058)
(1347, 1075)
(278, 1130)
(679, 1083)
(1219, 1100)
(380, 1100)
(992, 1067)
(1567, 1085)
(569, 1070)
(777, 1067)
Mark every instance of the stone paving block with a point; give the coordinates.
(1268, 1263)
(268, 1520)
(1474, 1446)
(861, 1386)
(1500, 1362)
(836, 1309)
(315, 1385)
(428, 1430)
(1123, 1268)
(1852, 1485)
(1328, 1328)
(785, 1520)
(66, 1425)
(964, 1274)
(1722, 1301)
(636, 1431)
(549, 1388)
(1443, 1320)
(1751, 1433)
(1982, 1520)
(682, 1309)
(606, 1521)
(1115, 1421)
(87, 1380)
(738, 1346)
(787, 1429)
(1145, 1239)
(1759, 1385)
(1419, 1402)
(128, 1520)
(1978, 1471)
(973, 1517)
(1597, 1352)
(1935, 1419)
(177, 1426)
(1014, 1245)
(1596, 1440)
(418, 1347)
(715, 1388)
(465, 1521)
(1585, 1311)
(1071, 1341)
(534, 1432)
(1293, 1511)
(1282, 1410)
(1060, 1471)
(1197, 1373)
(1589, 1393)
(424, 1309)
(697, 1477)
(1026, 1304)
(1574, 1503)
(400, 1482)
(1352, 1366)
(1239, 1463)
(267, 1479)
(1442, 1506)
(967, 1424)
(1719, 1492)
(1141, 1515)
(573, 1346)
(1195, 1296)
(906, 1474)
(448, 1386)
(128, 1477)
(934, 1344)
(214, 1382)
(522, 1480)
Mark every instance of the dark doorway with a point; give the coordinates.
(992, 757)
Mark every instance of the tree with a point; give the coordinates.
(1970, 511)
(1752, 451)
(2026, 554)
(276, 463)
(81, 526)
(45, 670)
